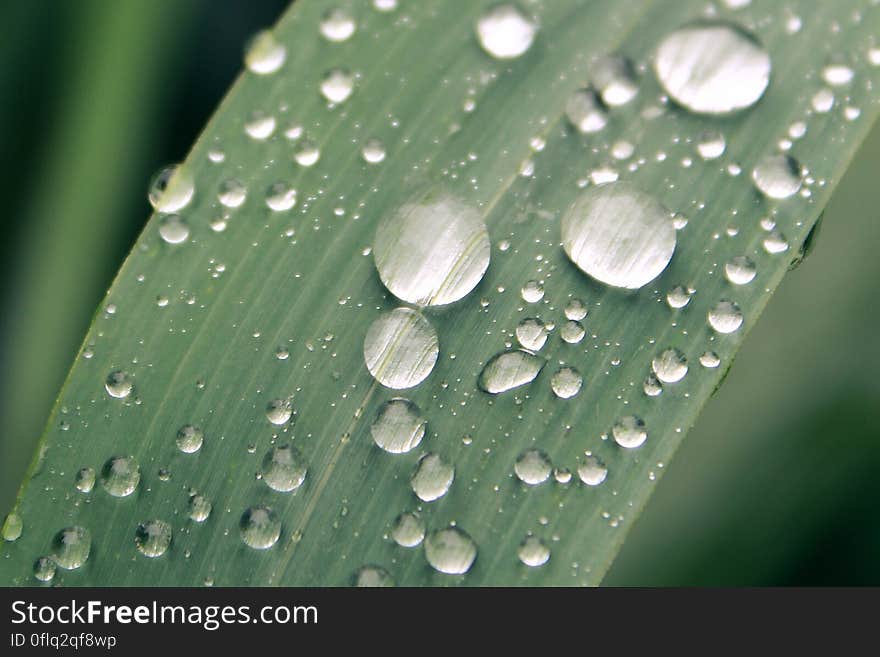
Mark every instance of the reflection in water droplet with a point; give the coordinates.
(232, 193)
(189, 439)
(777, 176)
(670, 365)
(85, 480)
(152, 538)
(432, 252)
(432, 478)
(566, 382)
(373, 151)
(337, 85)
(531, 333)
(508, 370)
(118, 384)
(373, 577)
(284, 468)
(409, 530)
(532, 292)
(532, 467)
(171, 189)
(280, 197)
(585, 111)
(652, 386)
(259, 125)
(173, 229)
(712, 67)
(401, 348)
(614, 76)
(725, 317)
(307, 153)
(678, 297)
(44, 569)
(629, 432)
(505, 32)
(711, 145)
(451, 551)
(279, 411)
(199, 507)
(740, 270)
(263, 54)
(337, 25)
(575, 310)
(71, 547)
(710, 360)
(572, 332)
(533, 552)
(259, 527)
(618, 235)
(120, 476)
(592, 471)
(399, 426)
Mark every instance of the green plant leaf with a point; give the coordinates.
(492, 136)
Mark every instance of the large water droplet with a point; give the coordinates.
(451, 551)
(508, 370)
(337, 25)
(777, 176)
(401, 348)
(279, 411)
(120, 476)
(190, 439)
(152, 538)
(712, 67)
(740, 270)
(618, 235)
(171, 189)
(432, 478)
(263, 54)
(259, 527)
(85, 480)
(725, 317)
(532, 467)
(71, 547)
(629, 432)
(284, 468)
(232, 193)
(592, 471)
(670, 365)
(505, 32)
(118, 384)
(373, 151)
(566, 382)
(409, 530)
(173, 229)
(533, 552)
(337, 85)
(199, 507)
(280, 197)
(531, 333)
(399, 426)
(432, 252)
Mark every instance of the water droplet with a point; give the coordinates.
(585, 111)
(399, 426)
(725, 317)
(152, 538)
(533, 552)
(740, 270)
(630, 431)
(451, 551)
(575, 310)
(711, 145)
(618, 235)
(259, 125)
(670, 365)
(652, 386)
(280, 197)
(678, 297)
(284, 468)
(409, 530)
(337, 85)
(614, 76)
(307, 153)
(622, 150)
(775, 243)
(173, 229)
(373, 577)
(373, 151)
(263, 54)
(592, 471)
(199, 507)
(85, 480)
(505, 32)
(562, 475)
(71, 547)
(432, 252)
(837, 74)
(710, 360)
(12, 527)
(259, 527)
(401, 348)
(712, 67)
(823, 101)
(572, 332)
(777, 176)
(432, 478)
(118, 384)
(509, 370)
(566, 382)
(171, 189)
(189, 439)
(279, 411)
(337, 25)
(533, 467)
(531, 333)
(232, 193)
(385, 5)
(120, 476)
(44, 569)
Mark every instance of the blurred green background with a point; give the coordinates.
(776, 484)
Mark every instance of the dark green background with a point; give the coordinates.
(777, 483)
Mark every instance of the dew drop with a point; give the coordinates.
(725, 317)
(373, 577)
(777, 176)
(279, 411)
(652, 386)
(259, 126)
(837, 74)
(678, 297)
(585, 111)
(572, 332)
(451, 551)
(12, 528)
(592, 471)
(232, 193)
(280, 197)
(171, 189)
(307, 153)
(399, 426)
(532, 467)
(566, 382)
(775, 243)
(509, 370)
(531, 333)
(711, 145)
(432, 252)
(533, 552)
(823, 101)
(373, 151)
(85, 480)
(401, 349)
(505, 32)
(740, 270)
(71, 547)
(614, 76)
(337, 85)
(44, 569)
(629, 432)
(118, 384)
(259, 527)
(120, 476)
(173, 229)
(575, 310)
(152, 538)
(263, 54)
(618, 235)
(712, 67)
(670, 365)
(199, 507)
(284, 468)
(189, 439)
(408, 530)
(710, 360)
(337, 25)
(432, 478)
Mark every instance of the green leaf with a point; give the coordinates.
(455, 124)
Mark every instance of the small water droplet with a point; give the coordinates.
(725, 317)
(837, 74)
(652, 386)
(152, 538)
(566, 382)
(533, 552)
(12, 528)
(678, 297)
(259, 527)
(572, 332)
(670, 365)
(337, 25)
(710, 360)
(509, 370)
(451, 551)
(259, 125)
(533, 467)
(740, 270)
(284, 468)
(337, 85)
(373, 577)
(189, 439)
(505, 32)
(585, 111)
(71, 547)
(263, 54)
(171, 189)
(232, 193)
(775, 243)
(592, 471)
(823, 101)
(575, 310)
(307, 153)
(280, 197)
(629, 432)
(711, 145)
(120, 476)
(173, 229)
(373, 151)
(531, 333)
(399, 426)
(44, 569)
(409, 530)
(614, 76)
(777, 176)
(85, 480)
(279, 411)
(118, 384)
(401, 349)
(432, 478)
(199, 507)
